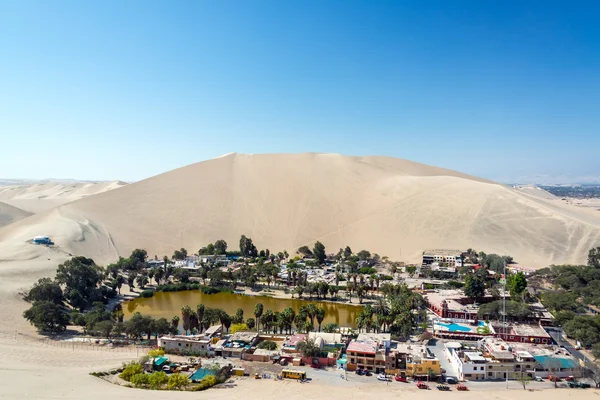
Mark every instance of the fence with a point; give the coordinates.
(85, 344)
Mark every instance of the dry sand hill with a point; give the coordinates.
(10, 214)
(36, 197)
(390, 206)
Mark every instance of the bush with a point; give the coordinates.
(385, 277)
(238, 327)
(131, 370)
(157, 379)
(156, 352)
(177, 381)
(267, 345)
(147, 293)
(367, 270)
(139, 380)
(47, 316)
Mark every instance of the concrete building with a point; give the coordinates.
(414, 360)
(470, 363)
(443, 258)
(180, 344)
(365, 355)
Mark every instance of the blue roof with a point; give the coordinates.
(200, 374)
(564, 362)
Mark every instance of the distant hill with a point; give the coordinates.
(390, 206)
(38, 196)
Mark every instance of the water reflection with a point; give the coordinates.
(168, 304)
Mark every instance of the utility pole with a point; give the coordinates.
(504, 312)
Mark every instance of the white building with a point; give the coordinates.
(471, 365)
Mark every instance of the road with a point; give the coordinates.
(561, 341)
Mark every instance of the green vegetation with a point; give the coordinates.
(515, 310)
(474, 287)
(47, 317)
(267, 345)
(131, 369)
(177, 381)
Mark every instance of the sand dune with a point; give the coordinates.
(10, 214)
(390, 206)
(40, 196)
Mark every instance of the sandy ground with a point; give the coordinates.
(10, 214)
(389, 206)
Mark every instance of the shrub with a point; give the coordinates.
(177, 381)
(268, 345)
(157, 379)
(367, 270)
(238, 327)
(139, 380)
(147, 293)
(156, 352)
(131, 370)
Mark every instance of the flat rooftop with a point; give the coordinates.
(362, 347)
(529, 330)
(442, 252)
(243, 336)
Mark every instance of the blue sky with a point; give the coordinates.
(129, 89)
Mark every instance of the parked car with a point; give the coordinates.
(539, 379)
(383, 377)
(452, 380)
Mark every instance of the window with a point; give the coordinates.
(467, 375)
(179, 344)
(512, 337)
(490, 367)
(474, 368)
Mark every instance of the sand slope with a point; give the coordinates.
(40, 196)
(390, 206)
(10, 214)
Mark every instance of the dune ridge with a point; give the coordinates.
(390, 206)
(41, 196)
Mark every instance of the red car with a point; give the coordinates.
(400, 378)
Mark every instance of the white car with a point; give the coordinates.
(383, 377)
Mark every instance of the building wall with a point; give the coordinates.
(421, 369)
(173, 345)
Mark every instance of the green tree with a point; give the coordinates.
(177, 381)
(319, 252)
(247, 248)
(347, 252)
(47, 316)
(474, 287)
(330, 327)
(250, 322)
(517, 283)
(258, 312)
(157, 379)
(363, 255)
(45, 289)
(267, 345)
(175, 322)
(308, 348)
(320, 316)
(305, 251)
(131, 370)
(81, 277)
(220, 247)
(186, 313)
(596, 350)
(594, 257)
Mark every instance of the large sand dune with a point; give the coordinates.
(39, 196)
(10, 214)
(390, 206)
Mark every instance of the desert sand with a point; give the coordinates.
(36, 197)
(10, 214)
(390, 206)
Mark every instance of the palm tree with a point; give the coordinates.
(186, 311)
(258, 312)
(200, 312)
(311, 311)
(175, 322)
(320, 316)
